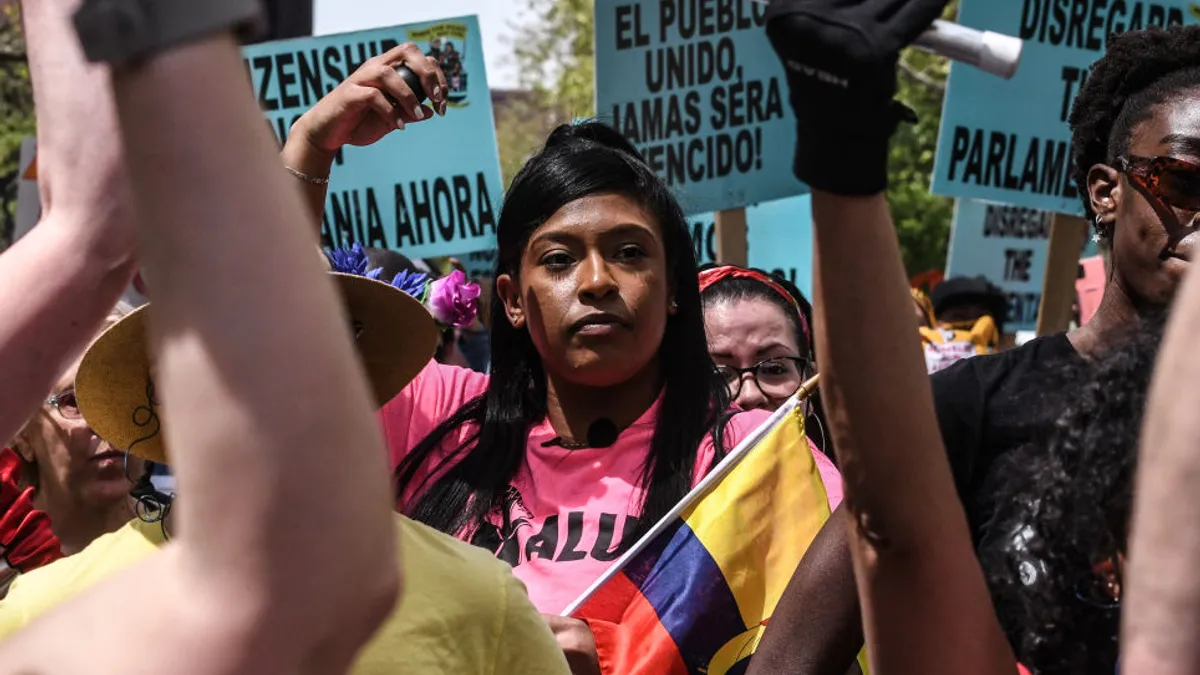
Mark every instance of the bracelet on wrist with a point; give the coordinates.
(305, 177)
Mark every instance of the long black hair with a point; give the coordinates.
(1063, 507)
(578, 160)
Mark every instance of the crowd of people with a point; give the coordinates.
(353, 462)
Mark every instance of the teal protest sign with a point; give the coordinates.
(695, 85)
(432, 189)
(480, 263)
(1007, 141)
(1007, 246)
(779, 239)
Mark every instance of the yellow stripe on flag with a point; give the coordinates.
(760, 519)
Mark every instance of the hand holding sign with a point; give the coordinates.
(373, 101)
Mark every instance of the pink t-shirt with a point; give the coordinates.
(570, 510)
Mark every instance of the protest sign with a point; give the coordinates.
(1007, 246)
(779, 237)
(432, 189)
(696, 87)
(1008, 141)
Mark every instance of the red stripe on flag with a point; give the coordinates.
(629, 636)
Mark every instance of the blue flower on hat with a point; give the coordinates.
(352, 260)
(412, 282)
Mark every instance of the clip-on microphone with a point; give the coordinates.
(600, 434)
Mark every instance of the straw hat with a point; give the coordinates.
(396, 338)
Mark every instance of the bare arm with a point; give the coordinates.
(925, 604)
(61, 279)
(816, 629)
(1161, 614)
(360, 112)
(279, 460)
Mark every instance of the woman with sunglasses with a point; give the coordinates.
(1136, 149)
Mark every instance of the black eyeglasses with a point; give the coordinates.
(64, 403)
(777, 378)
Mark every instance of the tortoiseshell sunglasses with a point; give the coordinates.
(1174, 182)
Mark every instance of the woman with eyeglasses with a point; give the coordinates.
(757, 336)
(81, 481)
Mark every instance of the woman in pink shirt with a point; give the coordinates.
(603, 407)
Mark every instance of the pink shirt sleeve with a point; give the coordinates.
(431, 398)
(830, 476)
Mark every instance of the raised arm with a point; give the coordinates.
(285, 559)
(368, 105)
(925, 605)
(59, 281)
(1161, 608)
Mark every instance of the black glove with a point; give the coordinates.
(840, 57)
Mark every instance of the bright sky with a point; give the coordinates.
(495, 19)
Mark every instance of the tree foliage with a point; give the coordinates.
(16, 113)
(922, 219)
(554, 52)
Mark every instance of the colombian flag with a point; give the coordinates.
(696, 593)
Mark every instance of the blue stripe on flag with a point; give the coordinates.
(684, 585)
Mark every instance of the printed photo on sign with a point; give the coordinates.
(696, 87)
(433, 189)
(1007, 246)
(1007, 141)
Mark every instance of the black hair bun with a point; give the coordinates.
(591, 132)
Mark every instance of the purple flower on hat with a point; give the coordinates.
(453, 300)
(411, 282)
(352, 260)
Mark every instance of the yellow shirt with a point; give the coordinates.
(463, 611)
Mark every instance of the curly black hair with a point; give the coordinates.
(1139, 70)
(1063, 507)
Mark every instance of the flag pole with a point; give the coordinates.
(720, 471)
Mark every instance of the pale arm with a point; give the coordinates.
(61, 279)
(925, 606)
(286, 554)
(1161, 613)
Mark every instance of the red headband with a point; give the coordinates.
(711, 276)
